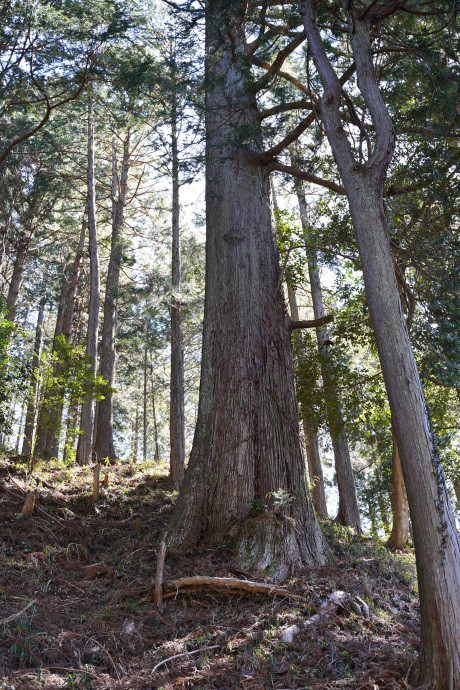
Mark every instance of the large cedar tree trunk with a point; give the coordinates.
(437, 545)
(247, 445)
(348, 513)
(84, 448)
(104, 446)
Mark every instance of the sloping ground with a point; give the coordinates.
(89, 573)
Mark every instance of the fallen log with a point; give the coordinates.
(229, 585)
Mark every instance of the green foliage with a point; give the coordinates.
(67, 375)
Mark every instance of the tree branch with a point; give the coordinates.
(285, 107)
(284, 75)
(314, 323)
(304, 175)
(279, 60)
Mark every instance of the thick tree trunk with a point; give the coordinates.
(31, 405)
(84, 448)
(16, 278)
(348, 513)
(400, 530)
(246, 448)
(437, 544)
(104, 446)
(177, 412)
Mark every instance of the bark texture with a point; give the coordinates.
(177, 411)
(400, 529)
(246, 451)
(104, 446)
(32, 401)
(348, 513)
(436, 540)
(84, 448)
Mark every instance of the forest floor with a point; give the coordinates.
(76, 611)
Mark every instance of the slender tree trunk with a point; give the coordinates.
(32, 400)
(144, 444)
(84, 448)
(136, 435)
(64, 326)
(157, 449)
(436, 541)
(400, 530)
(348, 513)
(315, 468)
(74, 280)
(177, 412)
(71, 431)
(21, 419)
(104, 446)
(17, 278)
(6, 228)
(457, 492)
(247, 444)
(48, 423)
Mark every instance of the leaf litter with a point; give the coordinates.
(76, 600)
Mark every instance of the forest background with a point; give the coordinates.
(124, 85)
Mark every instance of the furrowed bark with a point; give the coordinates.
(437, 545)
(84, 448)
(246, 448)
(177, 410)
(348, 513)
(104, 446)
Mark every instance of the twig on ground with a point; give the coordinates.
(176, 656)
(19, 613)
(92, 639)
(158, 591)
(229, 584)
